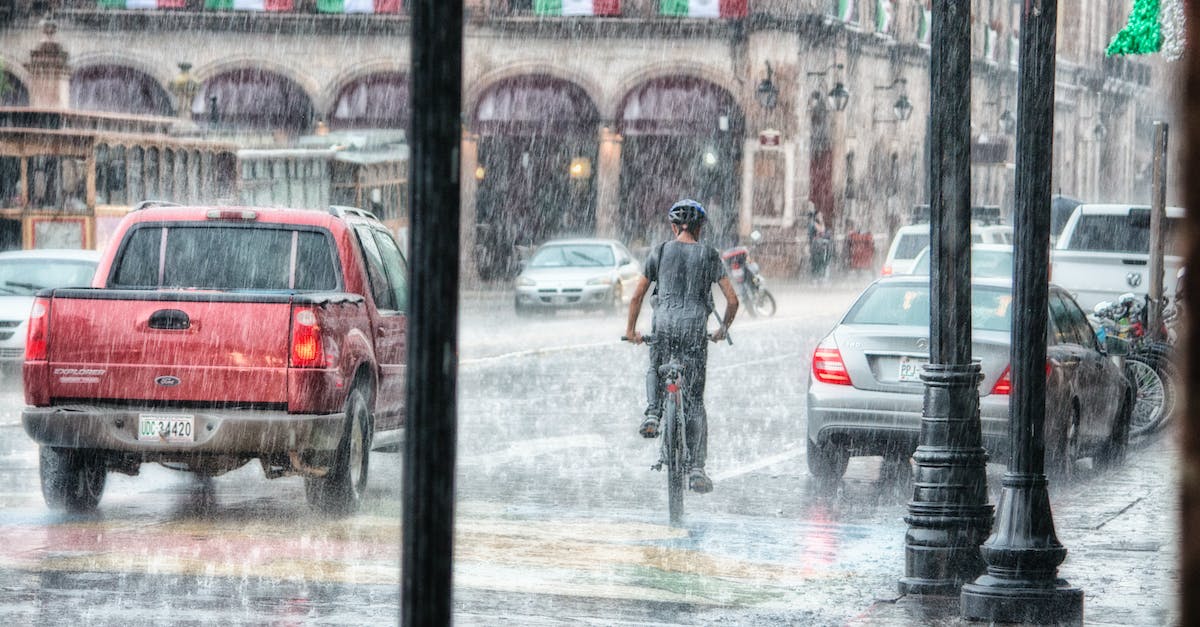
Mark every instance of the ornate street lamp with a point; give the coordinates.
(839, 96)
(767, 93)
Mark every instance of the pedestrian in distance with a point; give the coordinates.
(682, 271)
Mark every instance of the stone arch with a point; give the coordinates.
(16, 92)
(243, 62)
(327, 96)
(371, 100)
(118, 88)
(483, 84)
(16, 69)
(683, 138)
(611, 106)
(253, 98)
(538, 138)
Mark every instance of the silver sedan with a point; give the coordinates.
(865, 395)
(594, 274)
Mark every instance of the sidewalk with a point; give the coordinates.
(1122, 535)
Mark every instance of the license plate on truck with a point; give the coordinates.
(168, 428)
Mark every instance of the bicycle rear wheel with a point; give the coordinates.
(676, 473)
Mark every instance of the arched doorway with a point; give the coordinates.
(13, 92)
(252, 100)
(537, 150)
(378, 100)
(118, 89)
(683, 139)
(820, 168)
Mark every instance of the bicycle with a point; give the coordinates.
(674, 452)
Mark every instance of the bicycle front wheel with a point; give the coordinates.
(764, 303)
(676, 473)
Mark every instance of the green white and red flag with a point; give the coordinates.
(248, 5)
(358, 6)
(704, 8)
(143, 4)
(577, 7)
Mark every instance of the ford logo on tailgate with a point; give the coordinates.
(167, 380)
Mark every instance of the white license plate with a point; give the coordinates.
(168, 428)
(910, 369)
(560, 300)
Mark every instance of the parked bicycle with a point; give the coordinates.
(673, 453)
(1149, 364)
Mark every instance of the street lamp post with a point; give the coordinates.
(1023, 553)
(948, 516)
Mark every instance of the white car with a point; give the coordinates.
(22, 274)
(910, 240)
(595, 274)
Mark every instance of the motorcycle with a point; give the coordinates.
(747, 280)
(1149, 363)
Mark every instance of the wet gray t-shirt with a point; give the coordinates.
(683, 278)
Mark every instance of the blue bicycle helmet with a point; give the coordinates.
(687, 212)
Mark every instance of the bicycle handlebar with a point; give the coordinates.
(651, 338)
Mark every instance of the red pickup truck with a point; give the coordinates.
(212, 336)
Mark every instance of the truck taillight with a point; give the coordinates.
(827, 364)
(307, 351)
(35, 340)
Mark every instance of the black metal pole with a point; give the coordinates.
(1023, 554)
(429, 455)
(948, 516)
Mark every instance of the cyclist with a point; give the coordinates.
(683, 271)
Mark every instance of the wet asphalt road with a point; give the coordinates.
(559, 519)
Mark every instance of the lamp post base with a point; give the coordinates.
(1006, 601)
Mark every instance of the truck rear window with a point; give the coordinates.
(1120, 233)
(227, 258)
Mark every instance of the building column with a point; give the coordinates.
(49, 76)
(608, 182)
(468, 188)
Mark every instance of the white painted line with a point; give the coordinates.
(756, 465)
(539, 446)
(531, 353)
(765, 360)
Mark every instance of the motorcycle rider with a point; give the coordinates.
(683, 272)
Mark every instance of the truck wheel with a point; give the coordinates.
(72, 479)
(340, 491)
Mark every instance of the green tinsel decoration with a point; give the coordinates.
(1142, 35)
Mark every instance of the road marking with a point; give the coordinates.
(531, 353)
(539, 446)
(756, 362)
(756, 465)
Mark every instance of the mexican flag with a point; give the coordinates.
(143, 4)
(358, 6)
(703, 8)
(846, 10)
(248, 5)
(884, 9)
(577, 7)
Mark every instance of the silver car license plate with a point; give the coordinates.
(910, 368)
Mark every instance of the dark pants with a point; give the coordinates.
(688, 342)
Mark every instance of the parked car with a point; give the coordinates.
(22, 274)
(910, 240)
(987, 260)
(865, 395)
(213, 336)
(595, 274)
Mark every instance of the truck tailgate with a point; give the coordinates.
(1095, 276)
(165, 347)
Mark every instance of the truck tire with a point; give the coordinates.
(72, 479)
(340, 491)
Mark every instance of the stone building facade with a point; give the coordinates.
(593, 124)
